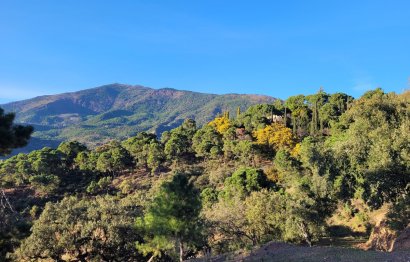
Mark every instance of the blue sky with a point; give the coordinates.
(278, 48)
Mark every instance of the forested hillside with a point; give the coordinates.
(307, 170)
(94, 116)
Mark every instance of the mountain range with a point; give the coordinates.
(116, 111)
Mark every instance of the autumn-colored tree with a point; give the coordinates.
(221, 124)
(276, 136)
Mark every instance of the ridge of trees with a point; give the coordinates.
(273, 172)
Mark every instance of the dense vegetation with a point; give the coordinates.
(95, 116)
(294, 171)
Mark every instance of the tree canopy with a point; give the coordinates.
(172, 219)
(300, 170)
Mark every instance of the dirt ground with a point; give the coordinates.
(287, 253)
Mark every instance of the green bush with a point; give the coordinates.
(45, 183)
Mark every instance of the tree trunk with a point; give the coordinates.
(271, 115)
(151, 258)
(305, 233)
(181, 251)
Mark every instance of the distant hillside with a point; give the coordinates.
(96, 115)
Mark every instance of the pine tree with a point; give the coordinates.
(11, 135)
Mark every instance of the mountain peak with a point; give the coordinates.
(117, 111)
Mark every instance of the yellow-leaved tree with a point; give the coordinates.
(221, 124)
(276, 136)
